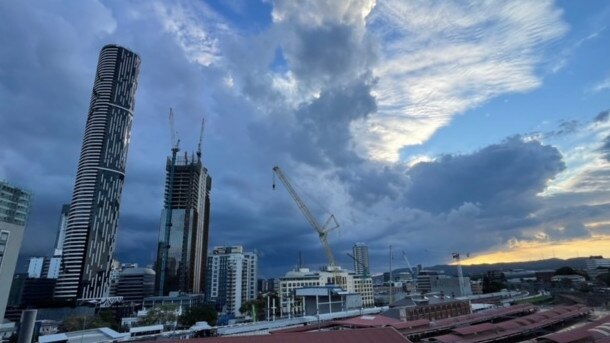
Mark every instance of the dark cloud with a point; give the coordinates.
(500, 178)
(327, 54)
(602, 116)
(296, 115)
(605, 148)
(323, 135)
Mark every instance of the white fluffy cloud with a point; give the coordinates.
(441, 58)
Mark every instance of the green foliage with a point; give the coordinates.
(257, 304)
(571, 271)
(107, 316)
(77, 323)
(565, 271)
(160, 314)
(197, 314)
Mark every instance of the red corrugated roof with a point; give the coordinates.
(368, 321)
(411, 324)
(372, 335)
(475, 329)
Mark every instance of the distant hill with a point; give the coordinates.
(478, 269)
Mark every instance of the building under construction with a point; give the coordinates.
(183, 237)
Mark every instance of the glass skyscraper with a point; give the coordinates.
(90, 236)
(185, 254)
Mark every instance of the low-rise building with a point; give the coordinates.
(293, 280)
(431, 307)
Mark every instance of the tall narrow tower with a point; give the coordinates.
(183, 245)
(361, 258)
(94, 212)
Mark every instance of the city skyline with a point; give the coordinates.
(422, 134)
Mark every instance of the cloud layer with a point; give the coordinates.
(332, 92)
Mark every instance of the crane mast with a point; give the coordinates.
(456, 257)
(322, 230)
(164, 246)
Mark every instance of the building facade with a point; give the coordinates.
(361, 259)
(90, 236)
(232, 277)
(183, 245)
(597, 265)
(135, 284)
(304, 277)
(15, 206)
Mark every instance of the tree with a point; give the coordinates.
(197, 314)
(165, 314)
(565, 271)
(76, 323)
(571, 271)
(259, 307)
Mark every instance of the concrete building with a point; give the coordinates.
(232, 277)
(414, 307)
(361, 259)
(49, 267)
(90, 236)
(183, 245)
(181, 300)
(597, 265)
(327, 299)
(44, 267)
(15, 206)
(293, 280)
(135, 284)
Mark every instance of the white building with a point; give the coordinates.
(596, 265)
(293, 280)
(232, 277)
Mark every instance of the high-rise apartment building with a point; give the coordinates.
(61, 230)
(14, 210)
(232, 277)
(49, 267)
(361, 259)
(90, 236)
(183, 245)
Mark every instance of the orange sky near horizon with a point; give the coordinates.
(532, 251)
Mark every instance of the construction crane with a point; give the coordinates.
(164, 247)
(456, 257)
(200, 139)
(365, 269)
(404, 256)
(322, 230)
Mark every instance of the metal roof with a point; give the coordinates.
(371, 335)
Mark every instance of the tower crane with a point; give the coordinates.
(200, 139)
(404, 256)
(164, 247)
(322, 230)
(457, 258)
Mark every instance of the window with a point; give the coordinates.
(3, 243)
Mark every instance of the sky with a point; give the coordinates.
(430, 126)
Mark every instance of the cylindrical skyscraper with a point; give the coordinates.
(94, 212)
